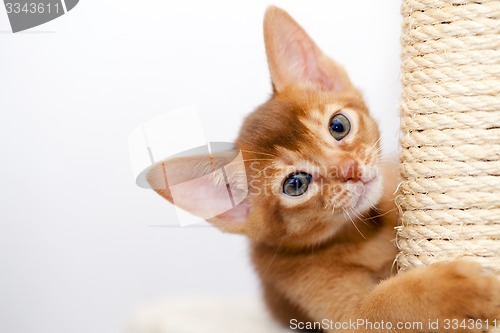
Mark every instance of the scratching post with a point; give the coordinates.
(450, 141)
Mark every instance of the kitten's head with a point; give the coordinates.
(310, 152)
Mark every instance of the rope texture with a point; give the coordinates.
(450, 142)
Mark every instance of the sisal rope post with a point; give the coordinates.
(450, 141)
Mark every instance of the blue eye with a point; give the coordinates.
(296, 184)
(339, 126)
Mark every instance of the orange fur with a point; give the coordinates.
(327, 254)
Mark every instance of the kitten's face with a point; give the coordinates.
(310, 153)
(311, 163)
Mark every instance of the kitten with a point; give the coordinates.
(319, 211)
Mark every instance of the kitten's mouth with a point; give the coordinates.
(366, 189)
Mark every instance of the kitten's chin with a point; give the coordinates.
(369, 197)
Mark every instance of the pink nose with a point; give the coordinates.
(349, 170)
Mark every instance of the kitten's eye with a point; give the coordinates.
(296, 184)
(339, 126)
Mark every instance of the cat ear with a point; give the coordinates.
(212, 186)
(295, 60)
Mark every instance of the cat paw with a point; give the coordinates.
(460, 290)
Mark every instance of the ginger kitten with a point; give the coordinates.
(317, 204)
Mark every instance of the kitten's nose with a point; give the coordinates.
(349, 170)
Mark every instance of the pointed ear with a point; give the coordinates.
(295, 60)
(212, 186)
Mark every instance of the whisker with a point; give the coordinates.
(360, 217)
(274, 256)
(259, 159)
(375, 208)
(258, 152)
(378, 151)
(354, 224)
(383, 214)
(376, 142)
(379, 215)
(251, 159)
(261, 171)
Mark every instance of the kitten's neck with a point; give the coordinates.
(355, 231)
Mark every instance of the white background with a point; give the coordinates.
(78, 253)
